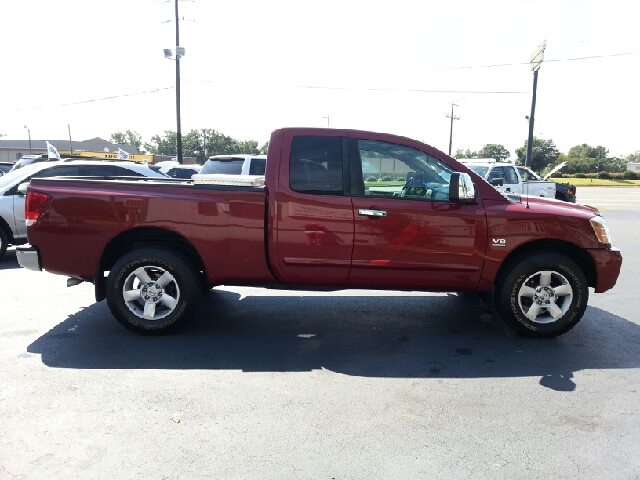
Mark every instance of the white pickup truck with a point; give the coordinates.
(235, 164)
(508, 177)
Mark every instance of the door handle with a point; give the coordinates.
(366, 212)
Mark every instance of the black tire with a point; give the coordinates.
(542, 296)
(4, 242)
(158, 284)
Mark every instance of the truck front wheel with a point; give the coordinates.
(153, 291)
(542, 296)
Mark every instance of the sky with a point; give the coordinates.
(250, 67)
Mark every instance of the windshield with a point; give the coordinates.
(479, 169)
(229, 167)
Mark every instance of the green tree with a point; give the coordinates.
(493, 150)
(490, 150)
(543, 154)
(465, 154)
(249, 146)
(633, 157)
(127, 138)
(587, 159)
(199, 143)
(264, 149)
(162, 145)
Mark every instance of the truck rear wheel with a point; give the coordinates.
(542, 296)
(153, 291)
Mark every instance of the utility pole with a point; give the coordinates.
(179, 126)
(29, 133)
(536, 60)
(70, 144)
(452, 117)
(328, 118)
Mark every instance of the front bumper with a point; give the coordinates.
(29, 257)
(608, 263)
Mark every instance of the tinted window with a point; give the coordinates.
(98, 170)
(61, 171)
(185, 173)
(229, 167)
(510, 174)
(257, 166)
(125, 172)
(390, 170)
(316, 165)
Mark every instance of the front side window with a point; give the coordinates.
(392, 170)
(511, 176)
(527, 174)
(316, 165)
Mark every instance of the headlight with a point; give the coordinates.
(600, 229)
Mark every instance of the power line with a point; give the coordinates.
(112, 97)
(321, 87)
(471, 67)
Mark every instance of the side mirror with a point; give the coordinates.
(22, 188)
(461, 188)
(497, 182)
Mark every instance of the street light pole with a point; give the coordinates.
(29, 133)
(179, 126)
(527, 159)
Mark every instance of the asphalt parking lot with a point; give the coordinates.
(345, 385)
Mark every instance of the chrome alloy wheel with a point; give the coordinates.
(151, 292)
(545, 297)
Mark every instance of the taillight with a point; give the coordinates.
(33, 206)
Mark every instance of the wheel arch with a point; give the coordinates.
(4, 226)
(148, 237)
(580, 256)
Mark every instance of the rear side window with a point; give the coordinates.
(229, 167)
(61, 171)
(98, 170)
(316, 165)
(125, 172)
(257, 166)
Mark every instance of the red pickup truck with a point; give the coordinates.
(336, 209)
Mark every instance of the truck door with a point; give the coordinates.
(314, 217)
(407, 232)
(509, 176)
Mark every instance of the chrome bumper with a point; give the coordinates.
(29, 257)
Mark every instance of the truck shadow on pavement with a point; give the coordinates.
(437, 336)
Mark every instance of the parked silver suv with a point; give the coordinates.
(13, 230)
